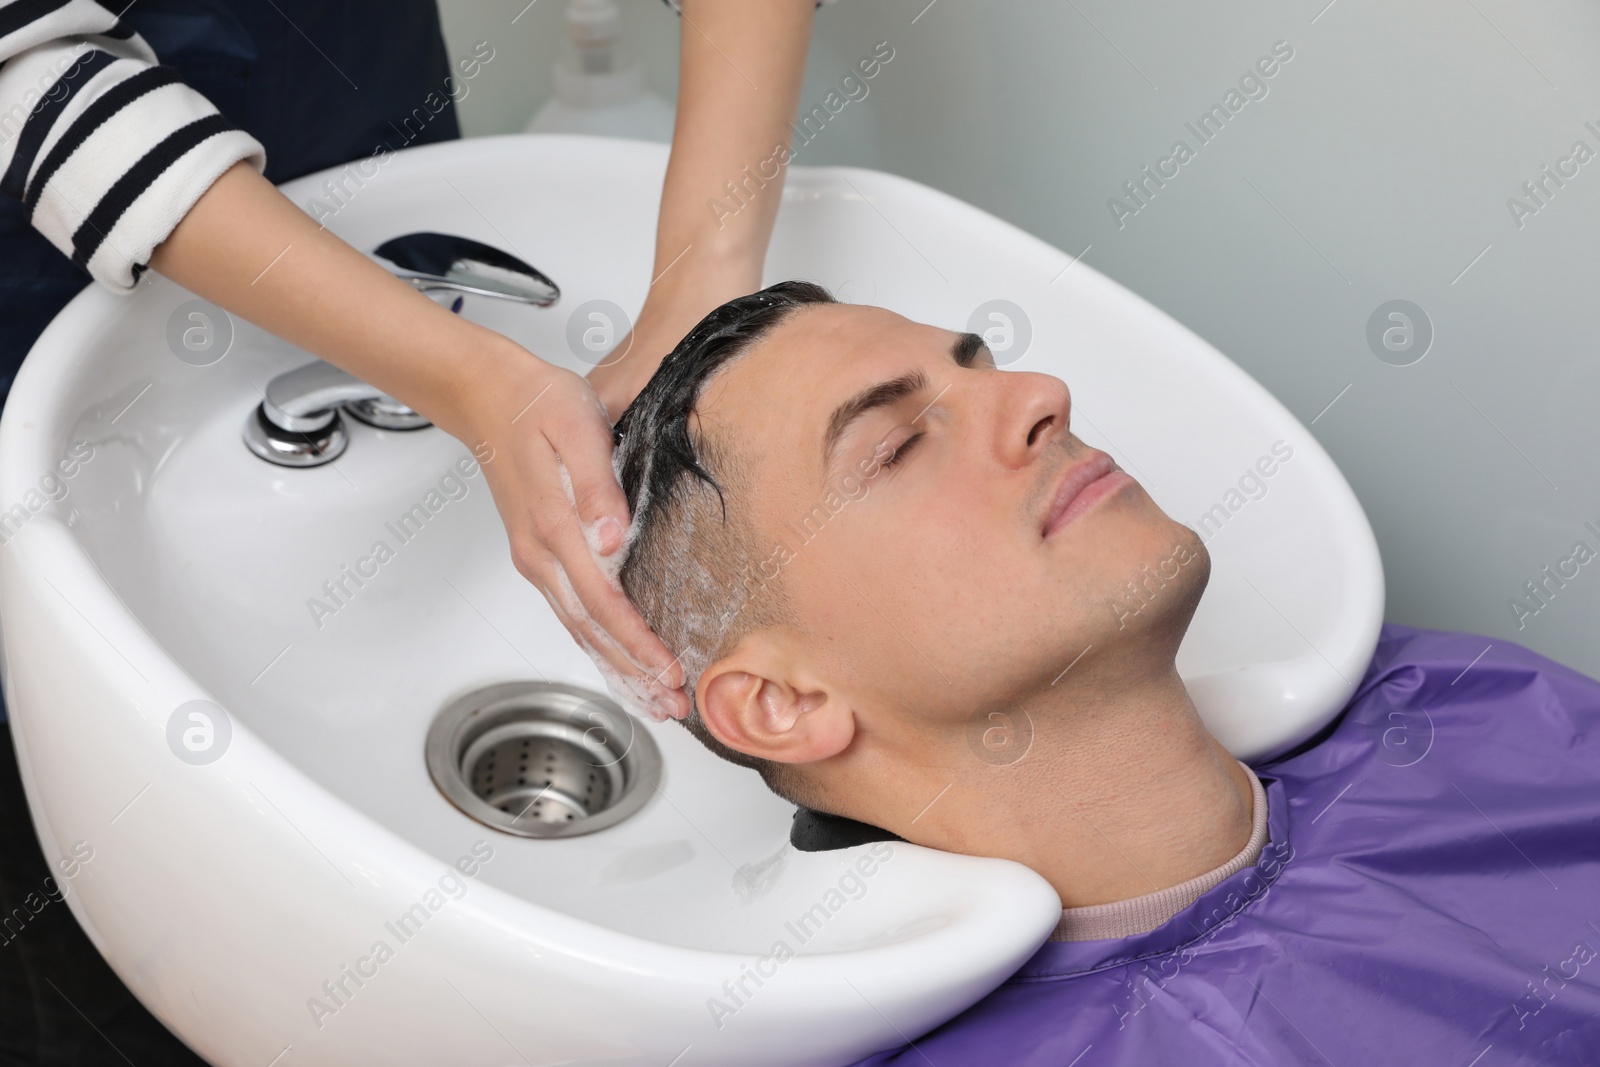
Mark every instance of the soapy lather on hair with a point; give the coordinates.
(634, 692)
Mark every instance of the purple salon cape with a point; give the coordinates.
(1429, 894)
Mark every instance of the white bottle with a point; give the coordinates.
(598, 85)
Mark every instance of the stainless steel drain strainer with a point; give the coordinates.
(541, 759)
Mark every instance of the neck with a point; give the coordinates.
(1122, 791)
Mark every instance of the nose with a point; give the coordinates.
(1033, 412)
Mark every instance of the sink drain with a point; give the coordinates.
(541, 759)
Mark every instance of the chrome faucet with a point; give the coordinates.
(299, 425)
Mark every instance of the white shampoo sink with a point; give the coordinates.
(273, 871)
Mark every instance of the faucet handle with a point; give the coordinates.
(298, 423)
(304, 399)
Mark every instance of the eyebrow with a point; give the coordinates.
(966, 348)
(963, 350)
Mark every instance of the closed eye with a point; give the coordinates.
(904, 450)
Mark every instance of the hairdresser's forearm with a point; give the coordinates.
(741, 69)
(738, 87)
(247, 248)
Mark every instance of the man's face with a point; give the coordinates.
(909, 496)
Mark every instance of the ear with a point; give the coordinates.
(758, 700)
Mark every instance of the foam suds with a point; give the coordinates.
(634, 692)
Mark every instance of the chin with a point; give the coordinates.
(1159, 586)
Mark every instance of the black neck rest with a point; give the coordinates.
(816, 831)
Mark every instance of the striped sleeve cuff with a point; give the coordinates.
(113, 156)
(137, 158)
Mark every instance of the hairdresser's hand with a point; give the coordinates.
(529, 420)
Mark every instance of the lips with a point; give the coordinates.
(1086, 474)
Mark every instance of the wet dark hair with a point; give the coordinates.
(692, 546)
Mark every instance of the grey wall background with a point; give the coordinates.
(1378, 166)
